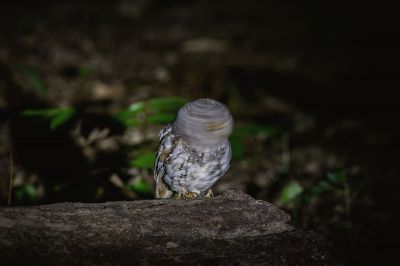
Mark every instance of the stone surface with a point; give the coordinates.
(231, 229)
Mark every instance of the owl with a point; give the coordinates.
(194, 150)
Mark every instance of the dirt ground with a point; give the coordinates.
(323, 76)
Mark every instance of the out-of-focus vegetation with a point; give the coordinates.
(56, 116)
(242, 133)
(315, 133)
(34, 80)
(159, 111)
(154, 111)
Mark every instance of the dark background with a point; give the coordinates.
(325, 75)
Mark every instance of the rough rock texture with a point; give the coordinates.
(231, 229)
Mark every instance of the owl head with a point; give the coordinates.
(203, 122)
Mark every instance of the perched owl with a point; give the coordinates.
(194, 150)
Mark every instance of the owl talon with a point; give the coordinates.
(186, 196)
(191, 195)
(178, 195)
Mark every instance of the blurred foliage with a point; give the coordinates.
(145, 160)
(335, 180)
(154, 111)
(84, 72)
(56, 116)
(296, 198)
(141, 188)
(34, 80)
(290, 192)
(241, 133)
(26, 194)
(237, 146)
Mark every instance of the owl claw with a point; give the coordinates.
(191, 195)
(186, 196)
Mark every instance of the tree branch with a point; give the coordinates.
(231, 229)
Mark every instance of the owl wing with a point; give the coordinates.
(163, 151)
(162, 190)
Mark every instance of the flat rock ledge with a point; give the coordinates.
(230, 229)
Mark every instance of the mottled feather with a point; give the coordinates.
(189, 163)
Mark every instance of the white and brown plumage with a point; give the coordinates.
(194, 150)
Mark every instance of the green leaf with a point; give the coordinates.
(332, 179)
(154, 111)
(237, 146)
(290, 192)
(253, 130)
(27, 193)
(57, 116)
(141, 187)
(127, 119)
(61, 117)
(84, 72)
(337, 176)
(42, 112)
(166, 104)
(160, 118)
(129, 116)
(145, 160)
(136, 107)
(321, 187)
(35, 81)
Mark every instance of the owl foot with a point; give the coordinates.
(186, 195)
(209, 194)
